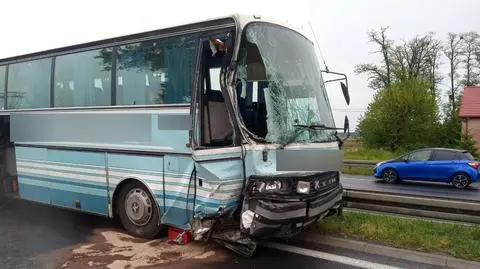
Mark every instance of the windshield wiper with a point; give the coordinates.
(316, 127)
(311, 127)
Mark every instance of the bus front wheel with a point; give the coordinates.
(138, 212)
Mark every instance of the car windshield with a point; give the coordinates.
(279, 69)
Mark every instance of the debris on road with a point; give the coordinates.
(116, 250)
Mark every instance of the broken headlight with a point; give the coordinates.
(267, 186)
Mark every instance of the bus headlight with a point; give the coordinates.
(267, 186)
(303, 187)
(274, 185)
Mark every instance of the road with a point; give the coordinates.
(35, 236)
(439, 190)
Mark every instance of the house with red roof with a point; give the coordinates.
(470, 112)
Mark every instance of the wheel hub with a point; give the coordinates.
(138, 206)
(460, 181)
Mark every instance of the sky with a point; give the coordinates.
(340, 27)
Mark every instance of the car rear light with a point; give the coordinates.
(474, 165)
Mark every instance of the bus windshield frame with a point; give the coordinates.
(284, 65)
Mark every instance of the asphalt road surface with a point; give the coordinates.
(36, 236)
(439, 190)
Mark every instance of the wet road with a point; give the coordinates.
(35, 236)
(368, 183)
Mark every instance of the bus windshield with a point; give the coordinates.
(280, 86)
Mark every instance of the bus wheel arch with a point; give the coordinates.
(135, 208)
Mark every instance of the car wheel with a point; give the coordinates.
(138, 211)
(389, 175)
(460, 180)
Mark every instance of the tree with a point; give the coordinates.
(471, 64)
(419, 57)
(403, 115)
(380, 76)
(453, 52)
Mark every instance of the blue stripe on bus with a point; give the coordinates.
(73, 182)
(97, 190)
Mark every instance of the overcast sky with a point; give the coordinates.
(340, 27)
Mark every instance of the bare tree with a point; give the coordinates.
(453, 52)
(471, 64)
(380, 76)
(433, 58)
(413, 59)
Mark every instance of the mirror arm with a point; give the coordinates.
(331, 80)
(336, 73)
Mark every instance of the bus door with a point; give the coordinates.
(218, 162)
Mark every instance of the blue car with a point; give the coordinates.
(453, 166)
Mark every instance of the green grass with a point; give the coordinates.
(461, 241)
(354, 150)
(369, 154)
(357, 171)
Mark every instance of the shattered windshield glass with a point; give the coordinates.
(280, 86)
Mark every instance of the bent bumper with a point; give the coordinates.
(272, 219)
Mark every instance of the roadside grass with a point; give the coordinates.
(357, 171)
(354, 150)
(460, 241)
(369, 154)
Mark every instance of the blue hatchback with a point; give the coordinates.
(454, 166)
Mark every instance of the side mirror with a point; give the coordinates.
(346, 94)
(346, 125)
(344, 86)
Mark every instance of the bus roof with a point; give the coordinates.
(233, 20)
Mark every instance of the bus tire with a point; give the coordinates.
(138, 211)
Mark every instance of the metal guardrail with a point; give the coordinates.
(406, 204)
(359, 163)
(413, 205)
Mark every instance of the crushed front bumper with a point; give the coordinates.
(285, 219)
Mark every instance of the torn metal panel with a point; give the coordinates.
(281, 211)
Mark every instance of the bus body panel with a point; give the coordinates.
(61, 178)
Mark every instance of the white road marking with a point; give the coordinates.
(327, 256)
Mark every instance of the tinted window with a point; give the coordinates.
(2, 86)
(156, 71)
(83, 79)
(467, 156)
(443, 155)
(29, 84)
(419, 155)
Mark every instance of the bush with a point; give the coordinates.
(401, 117)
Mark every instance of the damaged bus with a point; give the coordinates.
(220, 128)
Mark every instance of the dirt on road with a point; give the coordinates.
(114, 249)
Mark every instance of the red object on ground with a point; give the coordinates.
(179, 236)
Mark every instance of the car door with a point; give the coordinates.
(441, 165)
(417, 165)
